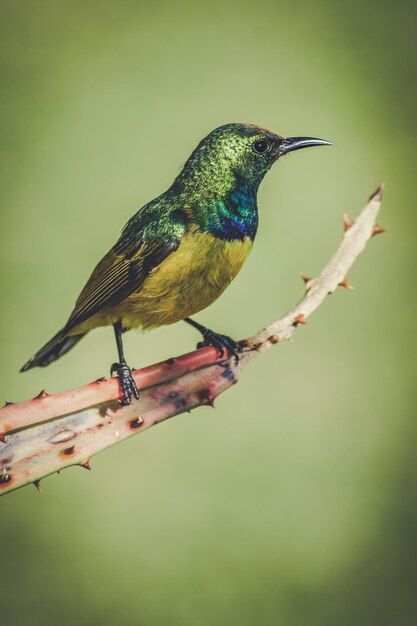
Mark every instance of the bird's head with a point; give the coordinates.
(242, 151)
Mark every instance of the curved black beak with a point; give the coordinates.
(289, 144)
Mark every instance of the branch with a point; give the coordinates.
(44, 435)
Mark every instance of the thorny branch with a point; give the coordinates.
(44, 435)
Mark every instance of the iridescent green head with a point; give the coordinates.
(220, 180)
(242, 152)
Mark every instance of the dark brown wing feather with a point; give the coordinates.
(121, 272)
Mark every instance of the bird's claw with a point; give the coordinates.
(127, 382)
(221, 342)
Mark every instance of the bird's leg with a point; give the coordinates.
(122, 369)
(221, 342)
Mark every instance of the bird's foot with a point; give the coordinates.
(127, 382)
(221, 342)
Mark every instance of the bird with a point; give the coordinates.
(181, 250)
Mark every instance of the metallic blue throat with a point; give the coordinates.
(234, 217)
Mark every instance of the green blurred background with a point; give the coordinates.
(294, 503)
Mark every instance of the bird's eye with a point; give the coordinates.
(260, 146)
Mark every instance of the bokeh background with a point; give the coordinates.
(294, 503)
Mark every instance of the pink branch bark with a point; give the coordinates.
(50, 432)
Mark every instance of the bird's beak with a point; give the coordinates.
(289, 144)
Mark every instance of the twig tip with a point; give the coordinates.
(378, 193)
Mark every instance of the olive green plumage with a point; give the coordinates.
(179, 252)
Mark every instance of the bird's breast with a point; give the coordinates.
(187, 281)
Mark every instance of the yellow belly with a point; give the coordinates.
(187, 281)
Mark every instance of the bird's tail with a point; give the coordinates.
(53, 350)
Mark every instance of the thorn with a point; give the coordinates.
(85, 465)
(211, 403)
(7, 403)
(377, 195)
(37, 484)
(69, 451)
(305, 278)
(344, 283)
(377, 230)
(41, 395)
(101, 380)
(347, 223)
(299, 319)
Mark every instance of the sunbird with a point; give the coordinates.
(180, 251)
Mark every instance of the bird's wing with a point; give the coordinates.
(121, 272)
